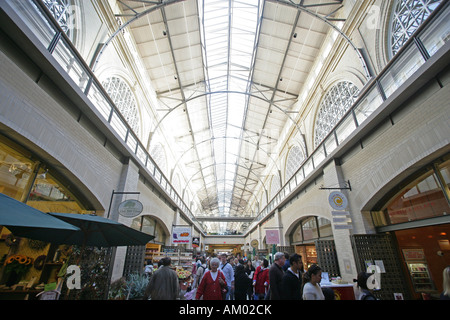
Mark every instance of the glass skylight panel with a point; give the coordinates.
(228, 41)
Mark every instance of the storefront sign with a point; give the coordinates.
(414, 254)
(130, 208)
(181, 235)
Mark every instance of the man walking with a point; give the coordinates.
(291, 284)
(276, 276)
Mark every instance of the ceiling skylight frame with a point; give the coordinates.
(227, 110)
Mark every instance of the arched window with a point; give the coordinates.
(64, 13)
(122, 96)
(293, 162)
(335, 104)
(159, 156)
(275, 186)
(407, 16)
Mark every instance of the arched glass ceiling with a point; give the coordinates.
(227, 75)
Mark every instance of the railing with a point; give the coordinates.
(426, 41)
(41, 22)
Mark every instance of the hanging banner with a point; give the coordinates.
(181, 235)
(273, 236)
(195, 242)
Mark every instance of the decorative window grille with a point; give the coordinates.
(124, 99)
(333, 107)
(63, 12)
(275, 186)
(294, 160)
(407, 16)
(159, 156)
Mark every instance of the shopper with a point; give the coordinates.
(287, 262)
(261, 280)
(242, 283)
(365, 292)
(213, 284)
(200, 271)
(163, 284)
(291, 284)
(276, 276)
(311, 288)
(445, 295)
(256, 262)
(227, 270)
(249, 271)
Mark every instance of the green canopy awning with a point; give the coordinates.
(25, 221)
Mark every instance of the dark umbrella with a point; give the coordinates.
(25, 221)
(96, 231)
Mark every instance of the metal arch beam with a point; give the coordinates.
(137, 16)
(214, 138)
(223, 92)
(214, 164)
(327, 21)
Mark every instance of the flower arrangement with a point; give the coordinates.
(18, 263)
(183, 274)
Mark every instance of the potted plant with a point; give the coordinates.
(136, 285)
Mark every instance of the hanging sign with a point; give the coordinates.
(130, 208)
(195, 242)
(254, 243)
(181, 235)
(338, 200)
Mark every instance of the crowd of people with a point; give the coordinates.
(228, 278)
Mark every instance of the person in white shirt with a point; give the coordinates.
(228, 271)
(312, 289)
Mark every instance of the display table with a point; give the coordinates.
(341, 291)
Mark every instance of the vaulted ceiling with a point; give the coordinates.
(227, 74)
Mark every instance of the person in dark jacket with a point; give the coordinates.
(242, 283)
(291, 284)
(276, 275)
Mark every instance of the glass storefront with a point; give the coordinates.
(416, 215)
(425, 197)
(27, 179)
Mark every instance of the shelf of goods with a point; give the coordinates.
(152, 250)
(179, 259)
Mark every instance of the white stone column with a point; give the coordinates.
(128, 183)
(333, 178)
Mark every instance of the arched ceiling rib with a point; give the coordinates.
(226, 72)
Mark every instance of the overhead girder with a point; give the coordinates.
(169, 111)
(239, 165)
(327, 20)
(137, 15)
